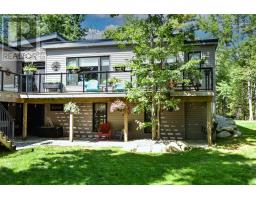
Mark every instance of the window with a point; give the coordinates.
(195, 56)
(88, 64)
(56, 107)
(99, 115)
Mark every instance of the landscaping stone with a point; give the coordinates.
(229, 128)
(237, 133)
(226, 127)
(224, 134)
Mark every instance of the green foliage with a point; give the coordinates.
(114, 81)
(30, 68)
(68, 25)
(235, 61)
(71, 108)
(72, 67)
(153, 40)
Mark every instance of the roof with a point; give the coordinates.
(79, 43)
(42, 38)
(108, 42)
(203, 42)
(6, 47)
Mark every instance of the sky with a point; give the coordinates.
(101, 22)
(98, 23)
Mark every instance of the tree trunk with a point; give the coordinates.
(250, 100)
(158, 120)
(71, 122)
(153, 120)
(254, 100)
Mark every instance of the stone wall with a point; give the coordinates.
(173, 124)
(82, 121)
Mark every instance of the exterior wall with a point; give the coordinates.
(117, 56)
(8, 65)
(173, 124)
(195, 117)
(82, 121)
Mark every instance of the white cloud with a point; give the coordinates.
(94, 34)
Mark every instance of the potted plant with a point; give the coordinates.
(113, 81)
(119, 67)
(72, 109)
(30, 69)
(72, 69)
(118, 106)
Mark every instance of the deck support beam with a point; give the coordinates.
(25, 121)
(71, 125)
(209, 123)
(126, 124)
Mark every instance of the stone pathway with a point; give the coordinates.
(140, 146)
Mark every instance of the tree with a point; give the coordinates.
(235, 62)
(153, 40)
(70, 26)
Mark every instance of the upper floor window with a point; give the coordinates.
(195, 56)
(88, 64)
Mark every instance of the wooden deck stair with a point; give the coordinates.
(6, 129)
(4, 141)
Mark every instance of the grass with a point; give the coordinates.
(232, 161)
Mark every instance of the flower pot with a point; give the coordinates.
(29, 73)
(119, 69)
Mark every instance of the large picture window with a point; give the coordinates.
(99, 115)
(88, 64)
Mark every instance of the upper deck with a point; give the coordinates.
(93, 84)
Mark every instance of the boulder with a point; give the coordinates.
(224, 134)
(229, 128)
(237, 133)
(224, 124)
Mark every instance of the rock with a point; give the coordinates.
(229, 128)
(237, 133)
(224, 124)
(173, 147)
(223, 134)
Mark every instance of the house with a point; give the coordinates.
(36, 101)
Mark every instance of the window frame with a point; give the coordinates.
(195, 52)
(99, 67)
(94, 128)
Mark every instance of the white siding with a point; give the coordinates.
(117, 56)
(8, 65)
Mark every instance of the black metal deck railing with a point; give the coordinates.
(78, 82)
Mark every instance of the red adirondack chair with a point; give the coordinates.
(104, 131)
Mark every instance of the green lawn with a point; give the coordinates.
(232, 161)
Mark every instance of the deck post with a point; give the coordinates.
(125, 124)
(25, 121)
(209, 123)
(71, 122)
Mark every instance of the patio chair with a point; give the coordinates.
(119, 87)
(92, 86)
(104, 131)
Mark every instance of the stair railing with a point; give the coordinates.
(6, 123)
